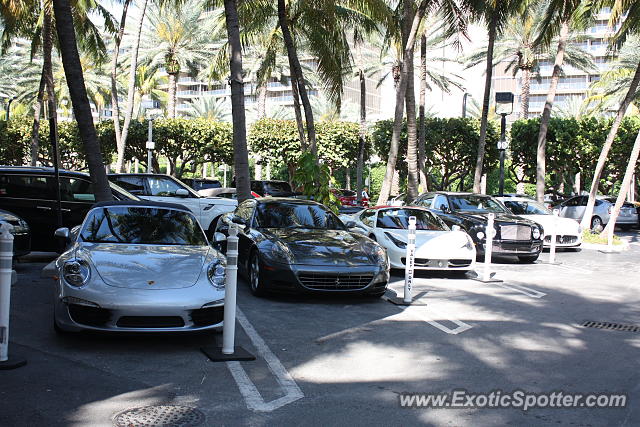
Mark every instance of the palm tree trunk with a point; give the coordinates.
(240, 152)
(47, 66)
(298, 113)
(115, 107)
(422, 149)
(79, 99)
(524, 93)
(130, 91)
(296, 69)
(35, 128)
(363, 135)
(586, 219)
(546, 113)
(626, 183)
(412, 132)
(477, 178)
(171, 104)
(262, 100)
(399, 110)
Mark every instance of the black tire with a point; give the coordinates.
(256, 283)
(528, 259)
(625, 227)
(596, 224)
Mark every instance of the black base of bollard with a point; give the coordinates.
(215, 354)
(478, 278)
(12, 363)
(400, 301)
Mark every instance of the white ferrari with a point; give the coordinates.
(437, 246)
(567, 230)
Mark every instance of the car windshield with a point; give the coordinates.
(142, 225)
(124, 194)
(520, 207)
(474, 203)
(398, 219)
(296, 215)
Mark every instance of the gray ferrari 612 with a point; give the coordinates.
(139, 267)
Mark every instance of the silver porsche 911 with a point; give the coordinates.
(139, 267)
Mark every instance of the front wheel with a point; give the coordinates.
(528, 259)
(255, 281)
(596, 224)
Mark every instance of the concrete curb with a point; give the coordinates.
(598, 247)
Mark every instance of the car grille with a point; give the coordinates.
(91, 316)
(207, 316)
(336, 282)
(515, 232)
(562, 239)
(150, 322)
(434, 263)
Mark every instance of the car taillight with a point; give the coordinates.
(610, 210)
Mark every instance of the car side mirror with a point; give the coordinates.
(350, 224)
(181, 192)
(63, 233)
(444, 208)
(456, 227)
(219, 237)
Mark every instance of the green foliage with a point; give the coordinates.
(573, 146)
(316, 180)
(278, 142)
(451, 149)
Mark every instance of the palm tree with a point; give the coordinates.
(209, 107)
(148, 84)
(495, 15)
(81, 107)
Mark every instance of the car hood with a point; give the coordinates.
(326, 247)
(499, 217)
(145, 266)
(562, 225)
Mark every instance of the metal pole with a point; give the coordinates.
(552, 248)
(149, 146)
(489, 232)
(464, 105)
(230, 290)
(6, 255)
(9, 108)
(410, 259)
(503, 127)
(53, 136)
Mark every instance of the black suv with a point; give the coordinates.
(29, 192)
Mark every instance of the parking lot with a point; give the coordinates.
(342, 361)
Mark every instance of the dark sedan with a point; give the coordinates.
(291, 245)
(514, 235)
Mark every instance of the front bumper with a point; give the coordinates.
(564, 241)
(319, 279)
(512, 247)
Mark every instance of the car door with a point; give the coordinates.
(580, 208)
(30, 196)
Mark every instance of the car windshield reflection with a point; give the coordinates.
(527, 208)
(291, 215)
(473, 203)
(142, 225)
(399, 220)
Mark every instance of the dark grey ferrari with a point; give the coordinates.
(290, 245)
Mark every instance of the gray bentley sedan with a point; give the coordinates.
(139, 267)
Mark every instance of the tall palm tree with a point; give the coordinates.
(209, 107)
(81, 107)
(148, 84)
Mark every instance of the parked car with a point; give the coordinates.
(272, 188)
(139, 267)
(437, 246)
(21, 233)
(575, 207)
(568, 231)
(165, 188)
(29, 192)
(348, 198)
(226, 192)
(198, 184)
(514, 236)
(292, 245)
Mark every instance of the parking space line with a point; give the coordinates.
(424, 316)
(251, 394)
(521, 289)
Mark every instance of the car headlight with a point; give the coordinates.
(535, 232)
(480, 235)
(399, 243)
(76, 272)
(216, 273)
(280, 253)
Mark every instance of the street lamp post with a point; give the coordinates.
(150, 146)
(464, 104)
(504, 107)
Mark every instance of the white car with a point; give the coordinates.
(437, 246)
(167, 189)
(568, 231)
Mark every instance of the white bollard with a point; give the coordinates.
(552, 248)
(6, 256)
(410, 259)
(489, 234)
(231, 288)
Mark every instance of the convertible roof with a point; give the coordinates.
(141, 204)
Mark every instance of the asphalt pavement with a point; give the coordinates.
(346, 361)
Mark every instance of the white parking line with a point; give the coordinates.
(251, 394)
(423, 314)
(522, 289)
